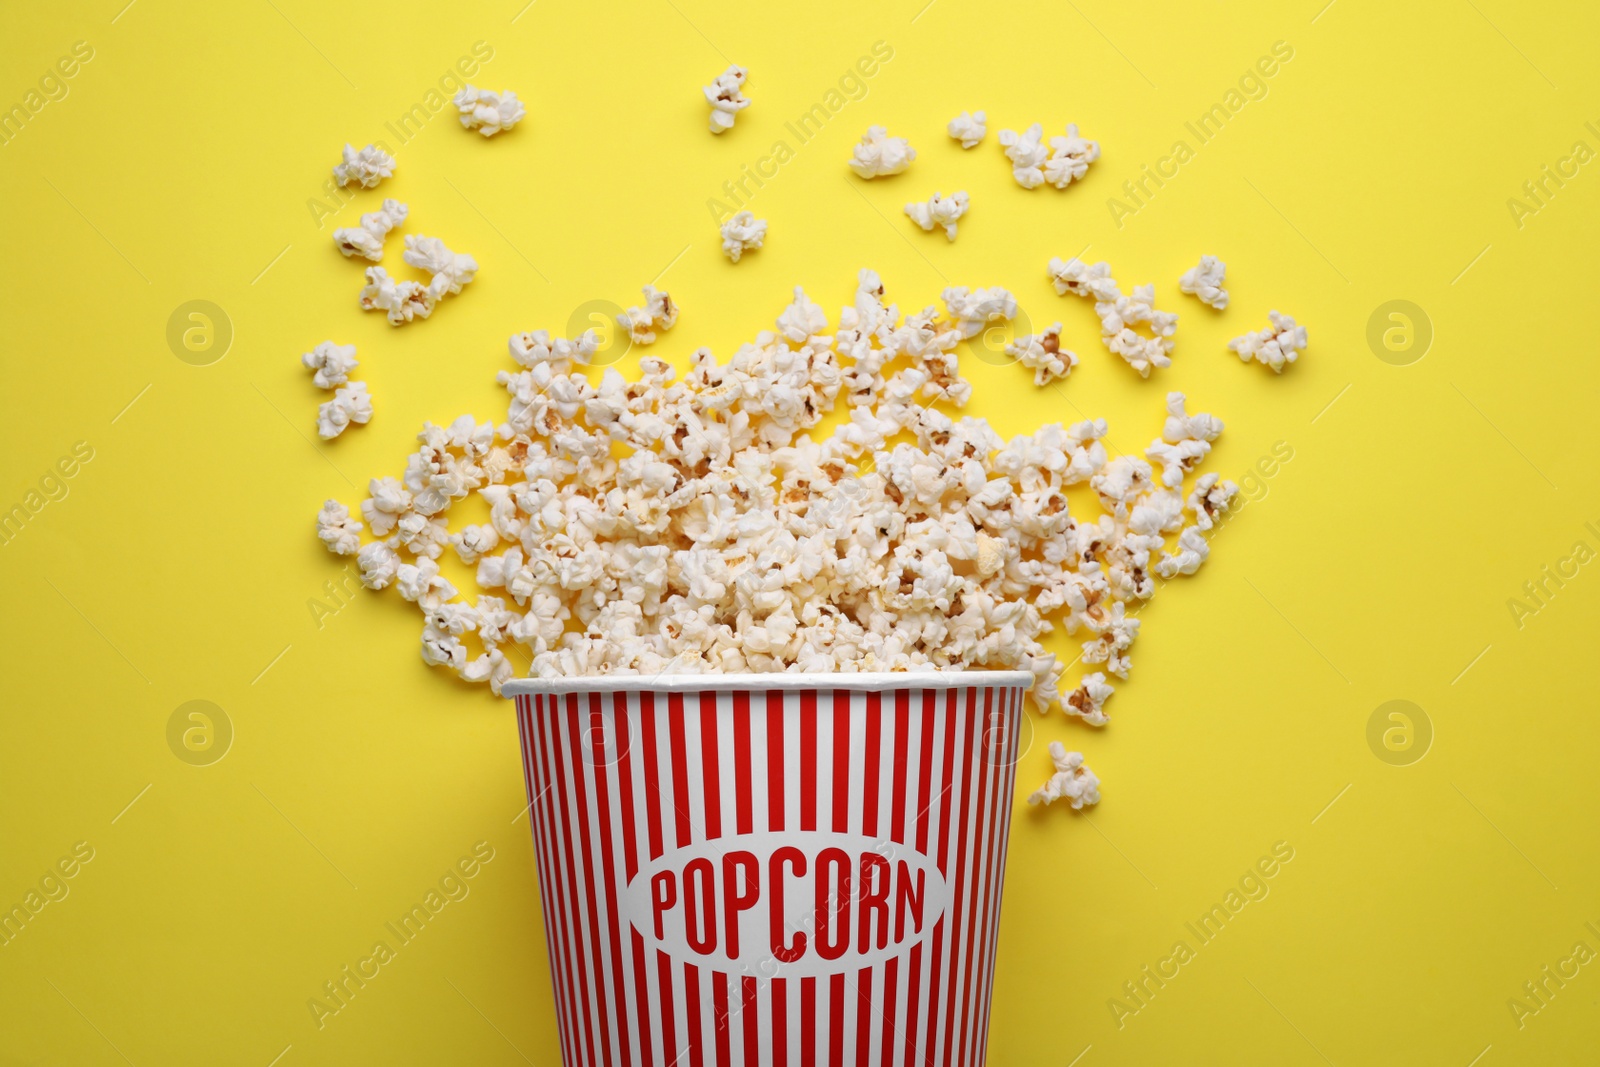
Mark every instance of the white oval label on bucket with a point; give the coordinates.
(787, 905)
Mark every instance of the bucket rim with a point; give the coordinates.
(870, 681)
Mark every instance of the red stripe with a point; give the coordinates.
(841, 761)
(902, 735)
(710, 776)
(836, 1019)
(936, 955)
(580, 827)
(653, 798)
(669, 1025)
(525, 728)
(961, 868)
(602, 797)
(913, 993)
(871, 759)
(719, 1014)
(775, 805)
(775, 783)
(691, 1010)
(890, 974)
(930, 708)
(652, 771)
(744, 819)
(924, 801)
(869, 764)
(680, 766)
(561, 829)
(752, 1033)
(780, 1022)
(864, 1011)
(808, 759)
(621, 714)
(979, 857)
(808, 1022)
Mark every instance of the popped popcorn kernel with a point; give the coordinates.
(939, 210)
(878, 154)
(488, 112)
(350, 404)
(969, 128)
(657, 313)
(726, 98)
(338, 530)
(1276, 346)
(1070, 157)
(366, 239)
(1072, 781)
(1027, 153)
(1204, 282)
(365, 168)
(742, 233)
(332, 364)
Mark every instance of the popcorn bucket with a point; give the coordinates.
(779, 869)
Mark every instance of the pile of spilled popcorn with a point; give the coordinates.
(656, 525)
(730, 539)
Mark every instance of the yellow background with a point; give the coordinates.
(1377, 565)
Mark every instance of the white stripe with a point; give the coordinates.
(551, 873)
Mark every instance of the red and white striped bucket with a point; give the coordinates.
(771, 869)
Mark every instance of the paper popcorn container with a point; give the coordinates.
(771, 869)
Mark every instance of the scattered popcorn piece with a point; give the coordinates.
(349, 404)
(1278, 344)
(474, 541)
(401, 300)
(365, 168)
(1072, 782)
(939, 211)
(451, 270)
(1089, 699)
(878, 154)
(658, 313)
(338, 529)
(332, 363)
(969, 128)
(726, 98)
(379, 564)
(1192, 551)
(488, 112)
(1042, 353)
(743, 233)
(420, 582)
(1070, 157)
(366, 240)
(1181, 426)
(1027, 153)
(1078, 278)
(1211, 498)
(1204, 280)
(1119, 316)
(1185, 440)
(974, 309)
(387, 501)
